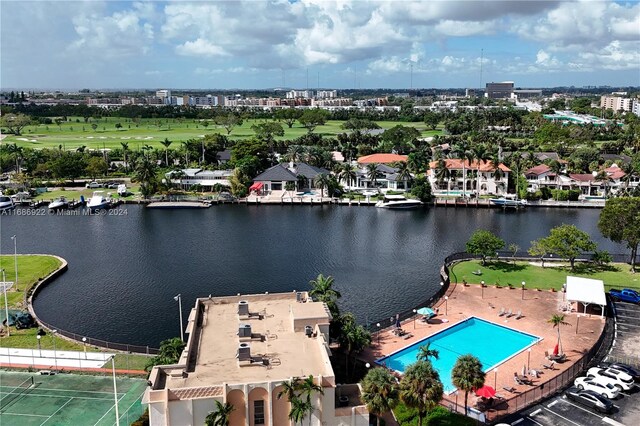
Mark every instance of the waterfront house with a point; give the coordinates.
(206, 179)
(387, 179)
(240, 351)
(463, 173)
(276, 178)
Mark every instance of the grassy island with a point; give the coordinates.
(552, 276)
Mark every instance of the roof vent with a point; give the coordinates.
(244, 352)
(244, 330)
(243, 307)
(308, 330)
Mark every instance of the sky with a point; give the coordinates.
(316, 43)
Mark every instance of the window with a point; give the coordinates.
(258, 412)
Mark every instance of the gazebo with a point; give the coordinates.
(586, 291)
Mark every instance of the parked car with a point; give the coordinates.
(590, 399)
(617, 378)
(624, 368)
(111, 185)
(597, 385)
(93, 184)
(626, 295)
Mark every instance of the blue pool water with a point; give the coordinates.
(491, 343)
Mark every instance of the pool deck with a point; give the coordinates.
(473, 300)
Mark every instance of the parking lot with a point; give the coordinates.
(559, 411)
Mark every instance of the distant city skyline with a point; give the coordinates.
(315, 43)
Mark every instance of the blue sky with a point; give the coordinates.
(368, 44)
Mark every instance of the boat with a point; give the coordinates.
(6, 203)
(98, 201)
(508, 202)
(59, 204)
(397, 202)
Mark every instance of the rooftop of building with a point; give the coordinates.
(279, 345)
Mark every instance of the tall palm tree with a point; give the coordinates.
(372, 173)
(166, 143)
(290, 389)
(294, 153)
(323, 291)
(463, 152)
(421, 388)
(603, 176)
(379, 391)
(347, 173)
(220, 417)
(353, 337)
(498, 173)
(556, 167)
(467, 375)
(425, 352)
(443, 173)
(403, 173)
(480, 154)
(322, 182)
(299, 410)
(307, 388)
(146, 175)
(557, 320)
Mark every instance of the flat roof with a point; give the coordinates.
(279, 335)
(586, 290)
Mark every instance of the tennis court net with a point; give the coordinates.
(16, 392)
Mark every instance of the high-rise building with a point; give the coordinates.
(616, 103)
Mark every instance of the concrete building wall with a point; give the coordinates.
(238, 416)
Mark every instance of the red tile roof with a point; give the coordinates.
(456, 164)
(582, 177)
(538, 170)
(382, 158)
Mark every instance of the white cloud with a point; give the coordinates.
(200, 47)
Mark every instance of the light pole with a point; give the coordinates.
(178, 299)
(6, 303)
(84, 343)
(115, 389)
(577, 322)
(15, 258)
(482, 287)
(39, 349)
(528, 359)
(495, 378)
(446, 305)
(378, 325)
(414, 319)
(523, 284)
(55, 357)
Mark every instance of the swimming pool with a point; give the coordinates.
(491, 343)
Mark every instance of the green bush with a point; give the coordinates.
(574, 194)
(560, 194)
(545, 193)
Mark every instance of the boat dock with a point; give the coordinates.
(179, 205)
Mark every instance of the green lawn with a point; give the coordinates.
(71, 135)
(75, 194)
(616, 275)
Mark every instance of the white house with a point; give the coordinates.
(387, 179)
(187, 178)
(463, 173)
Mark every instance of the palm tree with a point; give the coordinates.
(146, 175)
(299, 410)
(443, 173)
(480, 155)
(403, 173)
(603, 176)
(498, 173)
(556, 167)
(166, 143)
(464, 153)
(557, 320)
(379, 391)
(425, 352)
(290, 389)
(323, 291)
(353, 337)
(372, 173)
(347, 173)
(322, 181)
(421, 388)
(220, 417)
(294, 153)
(308, 388)
(467, 375)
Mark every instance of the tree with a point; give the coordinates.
(323, 291)
(443, 173)
(299, 410)
(125, 150)
(421, 189)
(467, 375)
(96, 167)
(94, 126)
(360, 124)
(373, 174)
(347, 173)
(322, 181)
(465, 154)
(146, 175)
(401, 138)
(353, 338)
(15, 122)
(481, 154)
(118, 126)
(485, 244)
(557, 320)
(220, 417)
(421, 388)
(228, 122)
(403, 172)
(567, 241)
(379, 391)
(620, 222)
(513, 248)
(425, 352)
(312, 118)
(268, 130)
(288, 115)
(307, 388)
(168, 354)
(166, 143)
(431, 119)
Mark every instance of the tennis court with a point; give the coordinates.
(67, 399)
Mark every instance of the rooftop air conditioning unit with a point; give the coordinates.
(243, 307)
(244, 330)
(244, 352)
(299, 297)
(308, 330)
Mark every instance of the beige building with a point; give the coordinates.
(616, 103)
(240, 350)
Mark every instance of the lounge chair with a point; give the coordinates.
(509, 314)
(509, 389)
(502, 312)
(549, 366)
(558, 358)
(408, 336)
(478, 272)
(519, 315)
(400, 332)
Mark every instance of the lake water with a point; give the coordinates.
(125, 270)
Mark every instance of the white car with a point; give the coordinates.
(617, 378)
(597, 385)
(93, 185)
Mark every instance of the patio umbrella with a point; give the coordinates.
(428, 312)
(524, 370)
(486, 392)
(555, 350)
